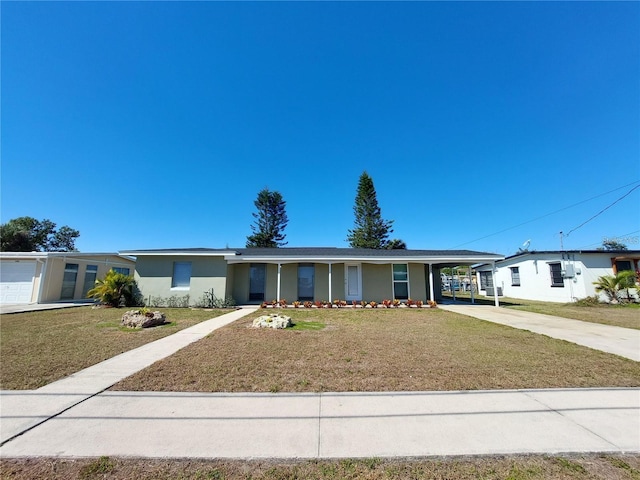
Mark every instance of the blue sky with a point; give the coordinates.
(155, 124)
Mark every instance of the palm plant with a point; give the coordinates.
(627, 279)
(609, 286)
(114, 289)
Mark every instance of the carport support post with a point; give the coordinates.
(495, 285)
(278, 292)
(471, 286)
(330, 264)
(431, 295)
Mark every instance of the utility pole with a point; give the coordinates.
(561, 243)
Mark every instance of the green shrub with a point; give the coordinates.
(115, 290)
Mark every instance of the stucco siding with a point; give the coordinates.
(240, 283)
(417, 282)
(377, 282)
(154, 276)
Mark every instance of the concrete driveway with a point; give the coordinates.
(34, 307)
(624, 342)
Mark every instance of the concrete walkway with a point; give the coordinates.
(34, 307)
(624, 342)
(336, 425)
(76, 417)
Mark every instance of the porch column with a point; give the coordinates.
(471, 286)
(330, 270)
(278, 288)
(495, 284)
(431, 294)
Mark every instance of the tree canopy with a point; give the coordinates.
(613, 245)
(26, 234)
(271, 220)
(370, 229)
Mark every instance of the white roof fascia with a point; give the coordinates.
(174, 254)
(379, 260)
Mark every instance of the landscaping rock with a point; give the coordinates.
(137, 319)
(274, 320)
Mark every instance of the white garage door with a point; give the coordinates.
(16, 281)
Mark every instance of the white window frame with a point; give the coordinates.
(184, 281)
(394, 281)
(123, 270)
(515, 276)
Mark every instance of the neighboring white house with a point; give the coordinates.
(41, 277)
(554, 276)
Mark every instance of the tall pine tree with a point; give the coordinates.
(370, 230)
(271, 220)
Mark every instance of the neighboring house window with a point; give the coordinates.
(257, 275)
(400, 281)
(556, 275)
(181, 275)
(89, 279)
(69, 281)
(622, 265)
(306, 273)
(124, 271)
(486, 280)
(515, 276)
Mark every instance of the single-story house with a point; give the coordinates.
(554, 276)
(43, 277)
(254, 275)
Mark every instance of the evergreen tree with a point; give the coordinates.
(271, 220)
(370, 230)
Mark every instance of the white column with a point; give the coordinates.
(330, 270)
(495, 284)
(431, 295)
(471, 286)
(278, 289)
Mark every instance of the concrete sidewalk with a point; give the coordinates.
(624, 342)
(336, 425)
(34, 307)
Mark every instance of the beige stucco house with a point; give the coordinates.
(253, 275)
(42, 277)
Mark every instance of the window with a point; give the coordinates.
(181, 275)
(69, 281)
(556, 275)
(622, 265)
(306, 273)
(257, 274)
(400, 281)
(486, 280)
(515, 276)
(89, 279)
(124, 271)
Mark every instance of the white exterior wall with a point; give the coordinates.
(535, 275)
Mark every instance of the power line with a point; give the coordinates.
(602, 211)
(549, 214)
(614, 236)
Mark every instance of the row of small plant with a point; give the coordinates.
(208, 300)
(355, 304)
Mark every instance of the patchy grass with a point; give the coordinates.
(530, 467)
(626, 315)
(381, 350)
(44, 346)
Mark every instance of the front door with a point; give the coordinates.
(353, 282)
(257, 276)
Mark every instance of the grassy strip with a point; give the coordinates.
(627, 316)
(532, 467)
(380, 350)
(41, 347)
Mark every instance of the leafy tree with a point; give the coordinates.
(613, 245)
(115, 289)
(271, 220)
(26, 234)
(370, 230)
(396, 244)
(611, 285)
